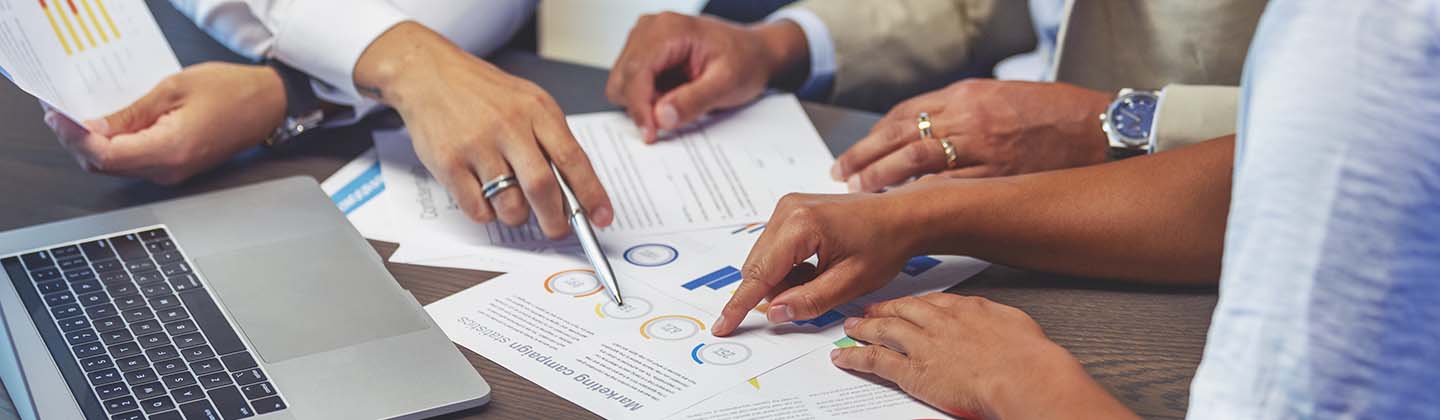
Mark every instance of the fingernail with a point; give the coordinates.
(780, 313)
(99, 126)
(835, 171)
(853, 184)
(667, 116)
(602, 216)
(850, 322)
(715, 328)
(834, 355)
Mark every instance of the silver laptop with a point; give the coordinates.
(258, 302)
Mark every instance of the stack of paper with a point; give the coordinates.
(687, 212)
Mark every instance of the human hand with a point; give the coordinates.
(973, 358)
(998, 128)
(675, 68)
(471, 122)
(189, 122)
(861, 240)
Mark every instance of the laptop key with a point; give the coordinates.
(207, 366)
(155, 290)
(148, 277)
(128, 246)
(215, 379)
(170, 367)
(180, 327)
(116, 337)
(52, 287)
(86, 286)
(197, 353)
(172, 315)
(141, 376)
(168, 415)
(109, 324)
(230, 403)
(148, 391)
(175, 269)
(75, 323)
(109, 391)
(129, 302)
(81, 336)
(238, 361)
(37, 260)
(102, 377)
(164, 302)
(119, 405)
(140, 265)
(156, 247)
(97, 250)
(125, 349)
(207, 316)
(88, 349)
(189, 340)
(79, 274)
(125, 288)
(179, 380)
(59, 299)
(71, 263)
(93, 298)
(66, 311)
(157, 404)
(168, 257)
(153, 234)
(146, 327)
(107, 266)
(248, 377)
(269, 405)
(132, 363)
(133, 415)
(91, 364)
(153, 340)
(187, 394)
(45, 274)
(185, 282)
(114, 277)
(199, 410)
(257, 391)
(162, 353)
(65, 252)
(137, 314)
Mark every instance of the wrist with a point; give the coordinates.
(272, 88)
(949, 215)
(787, 53)
(394, 66)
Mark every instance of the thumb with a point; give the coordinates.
(138, 115)
(715, 88)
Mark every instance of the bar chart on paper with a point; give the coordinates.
(87, 58)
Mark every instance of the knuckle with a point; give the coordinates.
(539, 184)
(569, 156)
(917, 154)
(753, 270)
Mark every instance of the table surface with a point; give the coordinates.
(1142, 343)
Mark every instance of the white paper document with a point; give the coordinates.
(812, 388)
(730, 171)
(87, 58)
(359, 191)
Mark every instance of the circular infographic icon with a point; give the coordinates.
(651, 255)
(724, 354)
(634, 308)
(671, 327)
(577, 283)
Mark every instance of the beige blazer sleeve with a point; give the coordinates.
(1191, 114)
(890, 50)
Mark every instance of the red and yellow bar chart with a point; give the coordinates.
(68, 15)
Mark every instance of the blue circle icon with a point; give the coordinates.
(651, 255)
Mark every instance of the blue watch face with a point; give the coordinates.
(1132, 115)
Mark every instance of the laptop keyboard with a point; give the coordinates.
(136, 334)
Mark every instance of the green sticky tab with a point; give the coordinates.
(845, 342)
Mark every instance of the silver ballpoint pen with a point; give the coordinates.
(588, 241)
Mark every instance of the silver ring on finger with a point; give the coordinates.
(923, 122)
(498, 184)
(951, 158)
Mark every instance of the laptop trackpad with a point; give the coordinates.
(303, 296)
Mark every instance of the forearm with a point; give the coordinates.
(1158, 218)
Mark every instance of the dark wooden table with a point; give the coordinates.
(1143, 343)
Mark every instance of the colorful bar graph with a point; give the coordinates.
(81, 21)
(919, 265)
(50, 16)
(70, 28)
(106, 14)
(98, 29)
(716, 279)
(824, 319)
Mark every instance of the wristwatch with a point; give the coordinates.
(1128, 123)
(303, 109)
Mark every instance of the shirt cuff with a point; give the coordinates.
(326, 38)
(1189, 114)
(822, 51)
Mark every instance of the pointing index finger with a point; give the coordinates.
(770, 260)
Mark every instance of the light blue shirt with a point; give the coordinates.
(1330, 293)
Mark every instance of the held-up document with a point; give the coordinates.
(87, 58)
(729, 171)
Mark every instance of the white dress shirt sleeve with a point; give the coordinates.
(822, 51)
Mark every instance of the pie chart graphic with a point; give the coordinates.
(577, 283)
(671, 327)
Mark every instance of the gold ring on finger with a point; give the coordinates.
(924, 124)
(951, 158)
